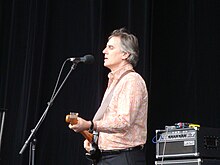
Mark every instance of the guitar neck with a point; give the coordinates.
(87, 135)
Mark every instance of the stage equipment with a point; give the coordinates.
(87, 59)
(2, 120)
(189, 162)
(188, 142)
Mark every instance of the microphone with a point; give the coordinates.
(87, 59)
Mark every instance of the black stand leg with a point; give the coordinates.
(32, 152)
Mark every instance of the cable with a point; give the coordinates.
(164, 146)
(58, 79)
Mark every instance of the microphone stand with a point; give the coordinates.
(33, 131)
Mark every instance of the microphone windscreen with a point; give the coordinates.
(89, 59)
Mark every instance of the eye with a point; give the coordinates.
(110, 47)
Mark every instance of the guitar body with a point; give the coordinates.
(94, 154)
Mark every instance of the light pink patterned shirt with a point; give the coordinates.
(124, 123)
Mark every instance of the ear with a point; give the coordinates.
(125, 55)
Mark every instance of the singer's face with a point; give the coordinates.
(114, 56)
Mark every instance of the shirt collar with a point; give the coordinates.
(117, 73)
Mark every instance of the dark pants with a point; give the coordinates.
(135, 157)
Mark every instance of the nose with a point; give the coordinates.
(104, 51)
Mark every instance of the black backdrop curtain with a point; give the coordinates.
(179, 49)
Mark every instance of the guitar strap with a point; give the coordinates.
(99, 114)
(95, 154)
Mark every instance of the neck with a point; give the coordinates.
(119, 67)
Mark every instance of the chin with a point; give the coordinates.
(107, 66)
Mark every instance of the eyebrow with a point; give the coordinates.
(110, 46)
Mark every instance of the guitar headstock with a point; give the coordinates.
(72, 118)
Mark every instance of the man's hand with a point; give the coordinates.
(87, 145)
(81, 125)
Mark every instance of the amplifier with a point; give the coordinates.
(188, 142)
(189, 162)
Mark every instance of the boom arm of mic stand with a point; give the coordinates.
(49, 104)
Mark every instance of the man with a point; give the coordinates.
(122, 124)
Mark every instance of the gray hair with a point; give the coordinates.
(129, 44)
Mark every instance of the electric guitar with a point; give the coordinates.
(94, 154)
